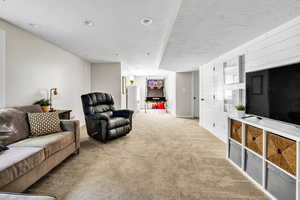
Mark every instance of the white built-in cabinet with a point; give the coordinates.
(211, 100)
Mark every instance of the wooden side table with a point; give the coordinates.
(64, 114)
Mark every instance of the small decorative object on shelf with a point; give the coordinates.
(44, 103)
(131, 82)
(240, 110)
(53, 91)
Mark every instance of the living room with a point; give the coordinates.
(149, 100)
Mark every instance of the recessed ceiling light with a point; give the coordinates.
(89, 23)
(146, 21)
(33, 25)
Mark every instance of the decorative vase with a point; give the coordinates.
(240, 113)
(45, 108)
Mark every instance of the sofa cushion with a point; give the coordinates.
(15, 162)
(44, 123)
(117, 122)
(14, 124)
(50, 143)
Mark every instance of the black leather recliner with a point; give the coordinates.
(103, 122)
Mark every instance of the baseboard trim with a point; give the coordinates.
(217, 136)
(185, 116)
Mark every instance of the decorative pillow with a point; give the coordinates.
(3, 148)
(44, 123)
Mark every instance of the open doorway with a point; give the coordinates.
(195, 88)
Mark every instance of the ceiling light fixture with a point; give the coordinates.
(146, 21)
(89, 23)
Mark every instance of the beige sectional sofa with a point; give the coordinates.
(30, 158)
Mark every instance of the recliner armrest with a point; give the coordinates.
(74, 126)
(123, 113)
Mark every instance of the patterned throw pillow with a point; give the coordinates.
(44, 123)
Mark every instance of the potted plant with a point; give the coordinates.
(240, 110)
(44, 103)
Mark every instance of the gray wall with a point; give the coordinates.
(106, 77)
(33, 66)
(184, 94)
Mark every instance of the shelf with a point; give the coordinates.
(253, 152)
(273, 126)
(267, 138)
(236, 142)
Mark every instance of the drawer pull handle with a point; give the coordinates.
(279, 151)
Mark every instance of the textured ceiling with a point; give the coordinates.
(203, 29)
(118, 34)
(206, 29)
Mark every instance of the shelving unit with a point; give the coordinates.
(267, 153)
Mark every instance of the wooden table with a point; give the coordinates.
(64, 114)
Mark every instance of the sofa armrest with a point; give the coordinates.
(74, 126)
(123, 113)
(20, 196)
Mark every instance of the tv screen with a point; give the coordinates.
(274, 93)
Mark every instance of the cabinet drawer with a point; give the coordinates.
(279, 184)
(235, 153)
(282, 152)
(254, 139)
(253, 166)
(236, 131)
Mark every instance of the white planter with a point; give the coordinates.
(240, 113)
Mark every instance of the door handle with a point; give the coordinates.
(202, 99)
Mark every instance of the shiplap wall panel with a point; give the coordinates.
(280, 46)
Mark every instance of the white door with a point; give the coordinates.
(204, 96)
(2, 69)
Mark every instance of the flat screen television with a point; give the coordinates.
(274, 93)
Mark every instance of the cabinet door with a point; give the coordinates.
(204, 96)
(282, 152)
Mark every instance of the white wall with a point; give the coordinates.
(106, 77)
(171, 92)
(278, 47)
(140, 82)
(34, 65)
(2, 68)
(184, 94)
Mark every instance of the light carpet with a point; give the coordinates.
(163, 158)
